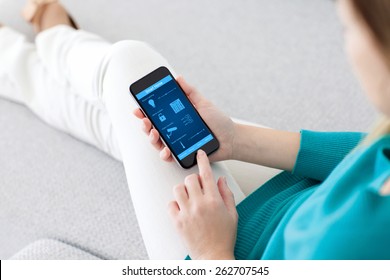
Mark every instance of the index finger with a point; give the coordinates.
(205, 172)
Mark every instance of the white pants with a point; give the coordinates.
(78, 83)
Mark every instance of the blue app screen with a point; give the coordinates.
(173, 115)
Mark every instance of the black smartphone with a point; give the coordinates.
(172, 114)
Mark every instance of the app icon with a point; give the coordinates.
(177, 106)
(170, 130)
(151, 103)
(187, 120)
(162, 117)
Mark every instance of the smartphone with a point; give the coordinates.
(172, 114)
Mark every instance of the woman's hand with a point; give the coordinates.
(220, 124)
(204, 214)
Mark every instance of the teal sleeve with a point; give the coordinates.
(321, 152)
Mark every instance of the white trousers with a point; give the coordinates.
(78, 83)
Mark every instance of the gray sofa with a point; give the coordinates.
(63, 199)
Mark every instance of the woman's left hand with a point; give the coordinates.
(204, 214)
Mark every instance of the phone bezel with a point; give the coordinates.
(151, 79)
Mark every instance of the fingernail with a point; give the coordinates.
(201, 153)
(225, 181)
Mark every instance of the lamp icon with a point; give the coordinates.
(151, 103)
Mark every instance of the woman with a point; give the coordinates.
(334, 205)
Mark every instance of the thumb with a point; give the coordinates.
(191, 92)
(226, 194)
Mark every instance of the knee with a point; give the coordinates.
(131, 51)
(128, 61)
(130, 45)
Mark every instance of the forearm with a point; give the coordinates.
(267, 147)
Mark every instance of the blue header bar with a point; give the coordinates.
(153, 87)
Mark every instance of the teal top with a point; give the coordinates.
(329, 207)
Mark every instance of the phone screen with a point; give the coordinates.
(173, 115)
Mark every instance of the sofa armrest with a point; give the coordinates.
(49, 249)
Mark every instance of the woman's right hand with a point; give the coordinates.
(220, 124)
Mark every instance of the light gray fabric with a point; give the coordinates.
(53, 186)
(260, 60)
(279, 63)
(47, 249)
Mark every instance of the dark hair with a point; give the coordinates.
(376, 14)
